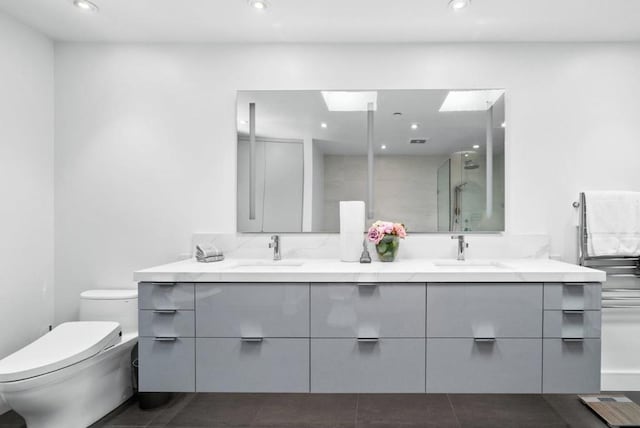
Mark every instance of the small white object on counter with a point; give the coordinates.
(351, 230)
(410, 270)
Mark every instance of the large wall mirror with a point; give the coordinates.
(431, 159)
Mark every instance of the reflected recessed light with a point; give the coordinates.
(244, 122)
(476, 146)
(85, 5)
(323, 125)
(503, 124)
(258, 4)
(414, 126)
(383, 147)
(459, 4)
(466, 155)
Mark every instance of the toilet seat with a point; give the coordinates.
(65, 345)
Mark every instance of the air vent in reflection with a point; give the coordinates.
(417, 141)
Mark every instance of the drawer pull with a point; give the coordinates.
(367, 284)
(484, 339)
(165, 339)
(165, 311)
(573, 311)
(163, 283)
(252, 339)
(573, 339)
(368, 339)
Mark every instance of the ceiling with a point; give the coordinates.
(285, 115)
(333, 20)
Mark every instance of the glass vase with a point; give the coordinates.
(387, 248)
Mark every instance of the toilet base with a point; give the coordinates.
(76, 396)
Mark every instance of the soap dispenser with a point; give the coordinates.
(365, 257)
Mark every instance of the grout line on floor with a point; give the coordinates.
(453, 410)
(355, 422)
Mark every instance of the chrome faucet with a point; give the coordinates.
(275, 244)
(461, 246)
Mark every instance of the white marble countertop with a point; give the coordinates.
(409, 270)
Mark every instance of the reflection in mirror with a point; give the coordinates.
(431, 159)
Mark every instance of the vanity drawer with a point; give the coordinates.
(571, 366)
(469, 366)
(252, 310)
(347, 365)
(166, 323)
(484, 310)
(166, 364)
(367, 310)
(266, 365)
(586, 295)
(576, 323)
(165, 295)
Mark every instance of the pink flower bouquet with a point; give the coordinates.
(386, 235)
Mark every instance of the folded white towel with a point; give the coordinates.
(613, 223)
(210, 259)
(203, 251)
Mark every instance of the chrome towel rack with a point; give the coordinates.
(622, 290)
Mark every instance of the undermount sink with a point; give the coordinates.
(266, 264)
(470, 264)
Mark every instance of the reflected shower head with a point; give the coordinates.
(469, 164)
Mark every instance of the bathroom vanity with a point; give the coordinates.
(512, 326)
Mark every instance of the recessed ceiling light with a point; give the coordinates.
(459, 4)
(323, 125)
(503, 124)
(476, 146)
(258, 4)
(383, 147)
(85, 5)
(414, 126)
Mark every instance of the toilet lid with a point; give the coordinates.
(65, 345)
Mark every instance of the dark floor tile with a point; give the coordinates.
(131, 415)
(11, 419)
(307, 409)
(573, 411)
(504, 410)
(223, 410)
(411, 410)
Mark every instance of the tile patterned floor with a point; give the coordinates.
(352, 411)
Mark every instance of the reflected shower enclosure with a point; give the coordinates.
(431, 159)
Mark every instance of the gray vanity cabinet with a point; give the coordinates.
(468, 365)
(252, 337)
(367, 337)
(370, 337)
(252, 365)
(367, 310)
(484, 338)
(367, 365)
(572, 344)
(166, 350)
(484, 310)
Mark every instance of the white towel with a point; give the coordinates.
(205, 251)
(613, 223)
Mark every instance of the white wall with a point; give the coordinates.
(26, 185)
(145, 135)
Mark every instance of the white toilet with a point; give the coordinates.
(79, 371)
